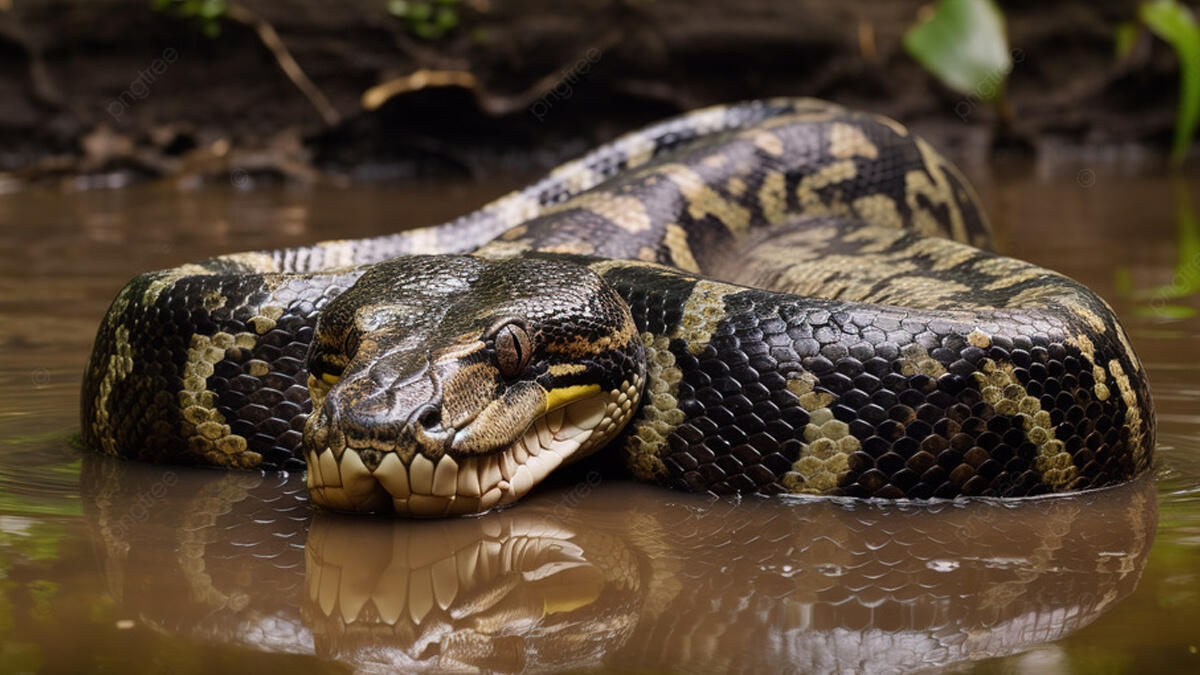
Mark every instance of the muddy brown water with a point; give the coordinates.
(110, 566)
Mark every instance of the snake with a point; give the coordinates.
(781, 296)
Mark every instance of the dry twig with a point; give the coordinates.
(266, 33)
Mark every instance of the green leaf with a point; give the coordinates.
(426, 31)
(419, 12)
(398, 8)
(1185, 282)
(964, 45)
(446, 19)
(1170, 312)
(1123, 280)
(1176, 25)
(212, 9)
(1125, 38)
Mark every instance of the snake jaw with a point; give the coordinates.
(449, 485)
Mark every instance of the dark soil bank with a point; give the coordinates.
(103, 85)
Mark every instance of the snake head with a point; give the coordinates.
(454, 384)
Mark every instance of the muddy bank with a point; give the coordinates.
(114, 85)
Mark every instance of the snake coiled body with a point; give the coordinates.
(777, 296)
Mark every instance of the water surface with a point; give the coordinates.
(110, 566)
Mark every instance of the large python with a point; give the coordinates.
(775, 296)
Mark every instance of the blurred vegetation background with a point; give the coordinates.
(305, 89)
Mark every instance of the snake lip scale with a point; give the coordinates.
(778, 296)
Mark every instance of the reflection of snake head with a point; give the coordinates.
(509, 592)
(451, 384)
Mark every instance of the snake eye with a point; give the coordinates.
(513, 349)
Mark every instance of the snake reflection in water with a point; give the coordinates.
(628, 582)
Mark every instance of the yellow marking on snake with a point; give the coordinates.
(808, 191)
(167, 280)
(338, 253)
(846, 141)
(880, 210)
(897, 128)
(930, 184)
(254, 261)
(515, 209)
(642, 151)
(1000, 387)
(572, 248)
(767, 142)
(498, 249)
(1007, 272)
(1085, 346)
(1133, 412)
(1089, 317)
(629, 213)
(660, 414)
(576, 176)
(945, 255)
(565, 369)
(915, 360)
(208, 434)
(802, 384)
(676, 242)
(702, 313)
(117, 369)
(825, 456)
(876, 240)
(772, 197)
(560, 396)
(266, 319)
(978, 338)
(703, 200)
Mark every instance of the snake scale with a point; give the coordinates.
(779, 296)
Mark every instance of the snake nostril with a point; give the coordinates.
(427, 417)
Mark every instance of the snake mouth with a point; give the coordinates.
(458, 485)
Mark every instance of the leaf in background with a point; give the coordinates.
(1125, 38)
(1176, 25)
(1165, 312)
(963, 44)
(1185, 282)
